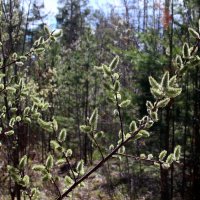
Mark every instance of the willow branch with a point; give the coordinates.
(119, 111)
(151, 161)
(100, 164)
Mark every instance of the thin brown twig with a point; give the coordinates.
(54, 182)
(119, 111)
(99, 148)
(70, 167)
(139, 158)
(56, 186)
(151, 161)
(99, 164)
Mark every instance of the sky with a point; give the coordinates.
(51, 8)
(94, 3)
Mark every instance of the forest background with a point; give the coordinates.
(51, 85)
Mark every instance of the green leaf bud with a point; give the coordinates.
(12, 169)
(11, 89)
(23, 58)
(154, 84)
(163, 103)
(39, 50)
(144, 133)
(94, 118)
(98, 68)
(68, 153)
(156, 93)
(116, 87)
(194, 33)
(62, 135)
(165, 80)
(45, 125)
(122, 150)
(52, 38)
(68, 181)
(128, 135)
(154, 116)
(27, 119)
(18, 118)
(80, 167)
(49, 162)
(85, 129)
(14, 56)
(57, 33)
(116, 76)
(82, 184)
(119, 97)
(138, 136)
(34, 192)
(149, 124)
(12, 122)
(177, 152)
(149, 105)
(46, 29)
(107, 70)
(149, 157)
(36, 116)
(179, 61)
(45, 106)
(8, 133)
(172, 81)
(173, 92)
(186, 50)
(125, 103)
(40, 168)
(13, 110)
(60, 161)
(26, 110)
(162, 155)
(114, 63)
(55, 124)
(142, 156)
(1, 86)
(166, 166)
(23, 162)
(119, 141)
(156, 164)
(47, 177)
(20, 63)
(116, 112)
(133, 126)
(170, 159)
(54, 144)
(120, 134)
(144, 120)
(111, 147)
(26, 180)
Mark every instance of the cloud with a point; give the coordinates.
(117, 3)
(51, 6)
